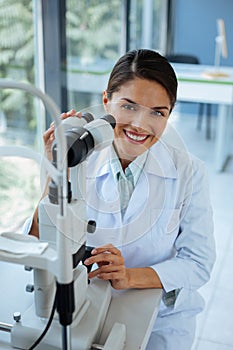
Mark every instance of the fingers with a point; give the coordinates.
(107, 272)
(49, 136)
(108, 248)
(109, 260)
(105, 258)
(71, 113)
(111, 266)
(107, 254)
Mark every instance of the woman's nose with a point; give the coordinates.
(140, 118)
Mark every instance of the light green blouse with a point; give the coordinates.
(127, 180)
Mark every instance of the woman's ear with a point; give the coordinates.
(105, 100)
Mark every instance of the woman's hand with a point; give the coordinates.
(49, 136)
(110, 266)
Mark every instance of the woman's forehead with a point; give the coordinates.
(143, 92)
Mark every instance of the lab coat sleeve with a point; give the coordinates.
(190, 268)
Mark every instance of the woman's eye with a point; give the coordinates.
(158, 114)
(129, 107)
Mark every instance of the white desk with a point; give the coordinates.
(194, 85)
(124, 308)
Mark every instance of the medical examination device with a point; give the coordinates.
(65, 302)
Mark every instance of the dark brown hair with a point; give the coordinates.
(144, 64)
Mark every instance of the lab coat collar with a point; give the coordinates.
(160, 161)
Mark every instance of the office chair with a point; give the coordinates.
(190, 59)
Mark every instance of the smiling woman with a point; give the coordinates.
(149, 200)
(141, 97)
(141, 118)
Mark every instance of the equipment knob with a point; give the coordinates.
(30, 288)
(17, 316)
(91, 226)
(28, 268)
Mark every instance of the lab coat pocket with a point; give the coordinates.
(164, 231)
(173, 221)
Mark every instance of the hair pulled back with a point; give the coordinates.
(144, 64)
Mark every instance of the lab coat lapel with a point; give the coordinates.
(151, 184)
(102, 190)
(138, 199)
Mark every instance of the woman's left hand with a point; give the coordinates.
(111, 266)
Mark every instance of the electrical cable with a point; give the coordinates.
(47, 326)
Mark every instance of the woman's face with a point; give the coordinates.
(141, 108)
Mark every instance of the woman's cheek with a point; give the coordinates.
(159, 128)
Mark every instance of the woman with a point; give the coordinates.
(150, 200)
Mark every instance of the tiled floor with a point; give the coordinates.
(215, 324)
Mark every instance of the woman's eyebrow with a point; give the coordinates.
(154, 108)
(160, 107)
(128, 100)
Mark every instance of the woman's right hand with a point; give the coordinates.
(49, 135)
(48, 138)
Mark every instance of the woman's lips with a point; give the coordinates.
(135, 137)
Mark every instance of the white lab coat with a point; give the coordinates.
(168, 226)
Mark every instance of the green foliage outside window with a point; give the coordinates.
(92, 32)
(93, 29)
(17, 58)
(20, 192)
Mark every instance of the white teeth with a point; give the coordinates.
(135, 137)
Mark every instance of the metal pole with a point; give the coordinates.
(66, 337)
(5, 327)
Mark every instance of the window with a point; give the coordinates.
(93, 45)
(19, 177)
(17, 112)
(148, 24)
(94, 34)
(95, 37)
